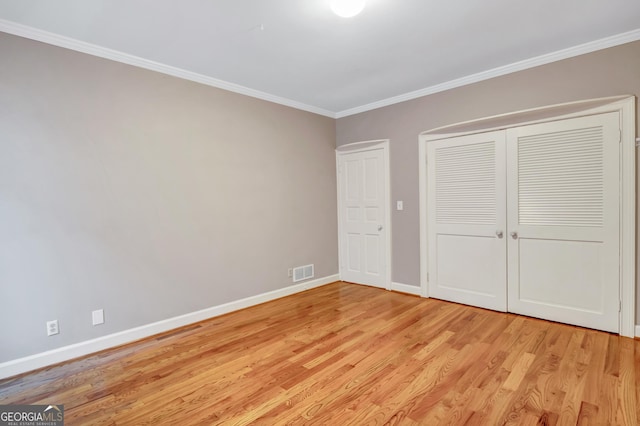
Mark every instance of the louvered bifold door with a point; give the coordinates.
(466, 220)
(563, 221)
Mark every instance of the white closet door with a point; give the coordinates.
(362, 210)
(466, 220)
(563, 221)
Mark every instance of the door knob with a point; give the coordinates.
(499, 234)
(514, 235)
(379, 227)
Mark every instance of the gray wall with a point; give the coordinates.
(147, 195)
(609, 72)
(151, 196)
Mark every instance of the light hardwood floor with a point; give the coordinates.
(348, 354)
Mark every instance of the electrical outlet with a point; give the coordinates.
(290, 273)
(52, 328)
(98, 317)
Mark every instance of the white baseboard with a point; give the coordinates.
(33, 362)
(405, 288)
(637, 330)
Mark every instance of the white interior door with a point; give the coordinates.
(563, 216)
(466, 212)
(362, 204)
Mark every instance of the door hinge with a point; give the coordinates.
(637, 142)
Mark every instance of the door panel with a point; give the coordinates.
(362, 210)
(550, 270)
(466, 214)
(563, 219)
(455, 252)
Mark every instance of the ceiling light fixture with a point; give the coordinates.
(347, 8)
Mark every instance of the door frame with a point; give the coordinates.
(626, 107)
(364, 146)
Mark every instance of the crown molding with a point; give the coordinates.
(125, 58)
(102, 52)
(570, 52)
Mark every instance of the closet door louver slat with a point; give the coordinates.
(560, 183)
(464, 173)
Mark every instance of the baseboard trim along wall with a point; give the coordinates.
(405, 288)
(637, 330)
(33, 362)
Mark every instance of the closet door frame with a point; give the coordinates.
(626, 107)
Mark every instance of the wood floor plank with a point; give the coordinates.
(518, 371)
(345, 354)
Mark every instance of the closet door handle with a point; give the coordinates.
(514, 235)
(499, 234)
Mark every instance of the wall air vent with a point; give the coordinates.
(302, 273)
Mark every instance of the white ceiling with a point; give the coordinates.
(298, 53)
